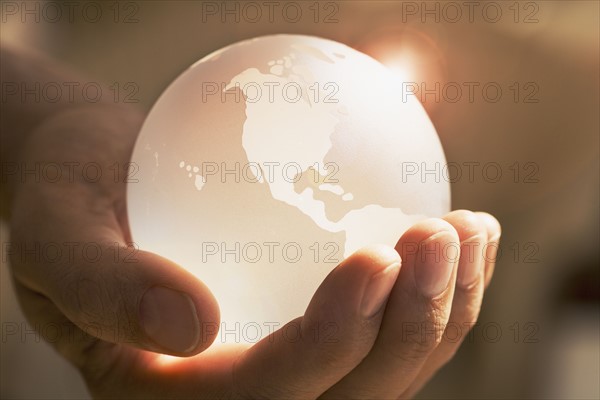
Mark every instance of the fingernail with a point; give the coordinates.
(169, 318)
(434, 263)
(471, 261)
(378, 290)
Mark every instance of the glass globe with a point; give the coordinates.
(267, 162)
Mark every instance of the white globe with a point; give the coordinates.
(267, 162)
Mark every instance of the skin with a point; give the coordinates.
(390, 353)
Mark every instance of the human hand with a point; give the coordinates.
(111, 310)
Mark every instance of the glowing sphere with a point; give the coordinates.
(267, 162)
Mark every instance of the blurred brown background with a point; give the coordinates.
(538, 333)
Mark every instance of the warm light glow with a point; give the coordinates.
(165, 359)
(324, 174)
(413, 54)
(400, 67)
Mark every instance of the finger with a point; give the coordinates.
(117, 293)
(468, 294)
(494, 232)
(415, 316)
(339, 327)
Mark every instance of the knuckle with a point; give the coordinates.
(332, 357)
(97, 302)
(492, 224)
(338, 346)
(331, 354)
(420, 338)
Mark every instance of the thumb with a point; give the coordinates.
(122, 295)
(173, 306)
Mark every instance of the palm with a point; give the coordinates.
(97, 302)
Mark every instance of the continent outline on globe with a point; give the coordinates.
(304, 135)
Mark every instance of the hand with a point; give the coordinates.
(111, 317)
